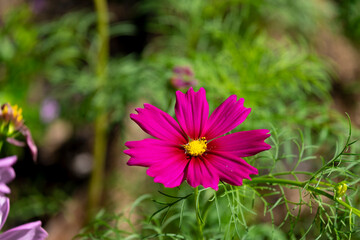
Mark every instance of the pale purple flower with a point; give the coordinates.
(38, 6)
(49, 110)
(7, 173)
(28, 231)
(183, 78)
(183, 70)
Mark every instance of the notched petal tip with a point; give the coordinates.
(127, 152)
(133, 115)
(158, 124)
(253, 171)
(226, 117)
(192, 112)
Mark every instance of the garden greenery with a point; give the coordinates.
(308, 184)
(305, 203)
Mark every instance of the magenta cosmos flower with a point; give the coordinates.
(29, 231)
(195, 148)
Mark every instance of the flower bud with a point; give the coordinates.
(183, 78)
(340, 190)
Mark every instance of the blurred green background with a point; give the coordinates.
(296, 64)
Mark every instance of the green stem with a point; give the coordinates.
(198, 217)
(304, 185)
(100, 124)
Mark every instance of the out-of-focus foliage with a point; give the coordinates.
(231, 52)
(299, 18)
(70, 69)
(19, 62)
(349, 15)
(295, 203)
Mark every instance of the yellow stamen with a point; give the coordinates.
(17, 113)
(196, 147)
(5, 110)
(19, 118)
(12, 114)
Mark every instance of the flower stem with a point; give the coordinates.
(100, 124)
(305, 185)
(198, 217)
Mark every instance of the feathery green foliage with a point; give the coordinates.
(288, 200)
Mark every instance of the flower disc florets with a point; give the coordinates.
(11, 115)
(12, 123)
(196, 147)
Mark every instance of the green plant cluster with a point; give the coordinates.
(286, 201)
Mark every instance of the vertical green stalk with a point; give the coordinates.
(198, 217)
(100, 125)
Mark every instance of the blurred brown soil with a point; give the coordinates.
(5, 6)
(68, 223)
(344, 57)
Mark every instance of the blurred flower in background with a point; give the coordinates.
(49, 110)
(12, 123)
(12, 117)
(38, 6)
(183, 78)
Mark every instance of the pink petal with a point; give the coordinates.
(200, 172)
(242, 144)
(159, 124)
(15, 142)
(30, 142)
(166, 161)
(192, 112)
(231, 169)
(29, 231)
(4, 210)
(150, 151)
(6, 174)
(169, 171)
(4, 189)
(8, 161)
(226, 117)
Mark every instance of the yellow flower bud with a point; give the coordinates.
(340, 190)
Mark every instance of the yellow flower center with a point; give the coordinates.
(196, 147)
(17, 113)
(12, 114)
